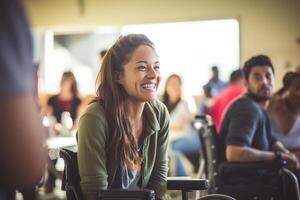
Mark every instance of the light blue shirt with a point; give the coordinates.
(290, 140)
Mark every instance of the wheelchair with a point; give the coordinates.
(264, 180)
(71, 184)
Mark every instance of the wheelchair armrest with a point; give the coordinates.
(249, 172)
(144, 194)
(186, 183)
(232, 166)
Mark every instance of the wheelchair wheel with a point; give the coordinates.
(216, 197)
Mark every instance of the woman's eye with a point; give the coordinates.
(157, 68)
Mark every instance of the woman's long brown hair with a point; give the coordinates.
(69, 75)
(113, 97)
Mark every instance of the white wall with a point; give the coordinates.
(267, 26)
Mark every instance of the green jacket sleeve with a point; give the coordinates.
(158, 179)
(91, 155)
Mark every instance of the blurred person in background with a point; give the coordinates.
(215, 84)
(62, 106)
(245, 133)
(180, 112)
(284, 112)
(67, 100)
(231, 91)
(205, 101)
(22, 153)
(182, 137)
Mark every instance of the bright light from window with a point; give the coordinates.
(188, 49)
(191, 48)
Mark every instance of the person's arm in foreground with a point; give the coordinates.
(22, 153)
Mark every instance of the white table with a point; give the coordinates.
(56, 143)
(60, 142)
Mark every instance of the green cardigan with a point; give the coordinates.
(97, 168)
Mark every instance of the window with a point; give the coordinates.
(185, 48)
(191, 48)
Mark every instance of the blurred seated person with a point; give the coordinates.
(215, 84)
(284, 112)
(183, 138)
(245, 130)
(123, 133)
(231, 91)
(205, 101)
(66, 101)
(181, 113)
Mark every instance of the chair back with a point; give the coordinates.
(71, 178)
(210, 148)
(71, 183)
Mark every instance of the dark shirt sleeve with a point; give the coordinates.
(243, 119)
(51, 101)
(272, 140)
(78, 101)
(270, 135)
(16, 55)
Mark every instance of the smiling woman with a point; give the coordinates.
(140, 76)
(123, 134)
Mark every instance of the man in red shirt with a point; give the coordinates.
(224, 98)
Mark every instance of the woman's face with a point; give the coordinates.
(141, 75)
(294, 91)
(174, 88)
(66, 85)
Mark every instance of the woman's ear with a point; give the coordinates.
(118, 77)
